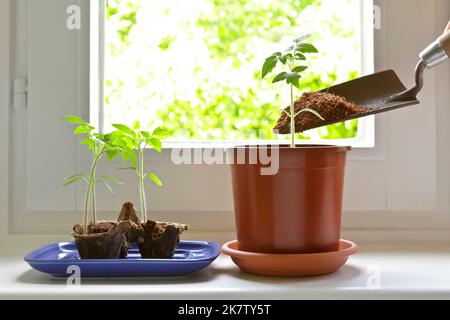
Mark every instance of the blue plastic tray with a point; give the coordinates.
(190, 256)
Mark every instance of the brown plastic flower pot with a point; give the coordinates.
(105, 240)
(296, 210)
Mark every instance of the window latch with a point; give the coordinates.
(20, 93)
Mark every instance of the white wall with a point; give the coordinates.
(4, 111)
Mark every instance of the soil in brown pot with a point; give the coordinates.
(331, 107)
(104, 240)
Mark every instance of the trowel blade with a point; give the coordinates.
(372, 92)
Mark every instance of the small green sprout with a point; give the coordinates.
(100, 144)
(291, 59)
(132, 143)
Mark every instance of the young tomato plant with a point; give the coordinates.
(132, 143)
(291, 59)
(99, 144)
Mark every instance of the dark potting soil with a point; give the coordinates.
(329, 106)
(99, 227)
(156, 229)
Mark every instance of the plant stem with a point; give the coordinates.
(94, 213)
(94, 182)
(141, 186)
(86, 208)
(292, 118)
(292, 108)
(91, 183)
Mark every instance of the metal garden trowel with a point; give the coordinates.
(383, 91)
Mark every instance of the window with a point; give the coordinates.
(406, 174)
(193, 66)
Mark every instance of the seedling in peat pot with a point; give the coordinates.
(104, 240)
(99, 144)
(154, 239)
(132, 143)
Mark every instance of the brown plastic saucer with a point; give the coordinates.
(272, 264)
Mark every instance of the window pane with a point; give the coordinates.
(193, 66)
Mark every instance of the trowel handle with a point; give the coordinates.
(438, 51)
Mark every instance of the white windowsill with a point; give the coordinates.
(407, 272)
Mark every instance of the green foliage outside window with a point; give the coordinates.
(193, 66)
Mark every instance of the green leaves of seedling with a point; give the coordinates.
(130, 140)
(160, 133)
(99, 143)
(280, 77)
(314, 112)
(299, 69)
(104, 179)
(132, 143)
(290, 58)
(112, 154)
(75, 120)
(294, 79)
(129, 143)
(307, 48)
(155, 143)
(109, 187)
(270, 64)
(123, 128)
(299, 56)
(76, 177)
(284, 57)
(154, 178)
(83, 126)
(83, 129)
(109, 178)
(290, 77)
(294, 53)
(278, 109)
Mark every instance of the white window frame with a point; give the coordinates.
(366, 129)
(5, 98)
(395, 191)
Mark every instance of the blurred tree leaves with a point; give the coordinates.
(222, 108)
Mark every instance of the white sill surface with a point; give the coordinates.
(377, 272)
